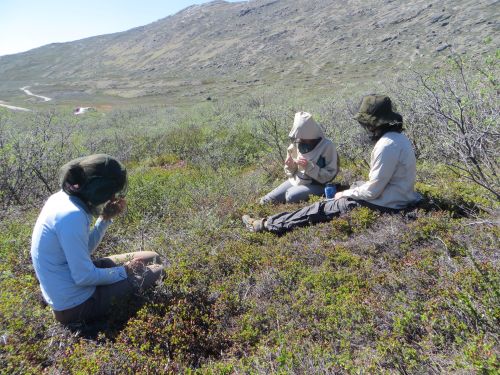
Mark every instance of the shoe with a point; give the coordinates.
(253, 225)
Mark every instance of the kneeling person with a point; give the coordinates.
(76, 288)
(390, 187)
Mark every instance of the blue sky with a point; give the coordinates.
(27, 24)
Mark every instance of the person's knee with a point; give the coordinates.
(147, 257)
(151, 275)
(289, 198)
(148, 254)
(157, 269)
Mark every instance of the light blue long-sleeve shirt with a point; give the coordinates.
(60, 249)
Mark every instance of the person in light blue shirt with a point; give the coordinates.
(75, 287)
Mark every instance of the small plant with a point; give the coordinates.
(362, 218)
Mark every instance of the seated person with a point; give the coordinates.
(311, 162)
(77, 289)
(390, 187)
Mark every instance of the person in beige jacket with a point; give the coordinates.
(390, 187)
(311, 162)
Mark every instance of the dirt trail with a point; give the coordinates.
(14, 108)
(28, 92)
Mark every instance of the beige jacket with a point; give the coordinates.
(392, 174)
(322, 163)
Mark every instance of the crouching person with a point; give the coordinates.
(390, 187)
(311, 162)
(75, 287)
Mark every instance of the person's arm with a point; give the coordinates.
(111, 209)
(383, 164)
(97, 233)
(73, 234)
(290, 165)
(329, 171)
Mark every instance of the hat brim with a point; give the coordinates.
(392, 118)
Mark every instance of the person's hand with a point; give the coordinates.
(338, 195)
(302, 162)
(289, 162)
(113, 208)
(134, 267)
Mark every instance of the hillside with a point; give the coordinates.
(220, 48)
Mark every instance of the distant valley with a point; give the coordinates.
(220, 48)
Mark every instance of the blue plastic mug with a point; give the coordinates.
(330, 191)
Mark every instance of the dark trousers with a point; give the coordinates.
(106, 296)
(319, 212)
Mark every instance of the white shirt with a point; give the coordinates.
(392, 174)
(298, 175)
(60, 249)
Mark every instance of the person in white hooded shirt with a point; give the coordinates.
(311, 162)
(390, 187)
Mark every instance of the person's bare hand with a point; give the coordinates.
(113, 208)
(302, 162)
(289, 161)
(338, 195)
(134, 267)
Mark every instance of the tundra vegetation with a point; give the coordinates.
(367, 293)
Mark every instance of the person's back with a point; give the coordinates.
(77, 288)
(392, 174)
(62, 213)
(400, 190)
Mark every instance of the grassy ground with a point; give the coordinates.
(367, 292)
